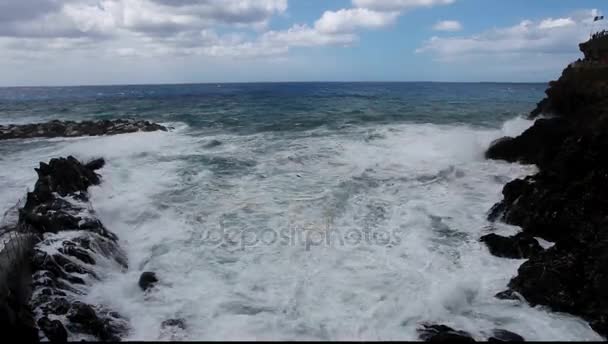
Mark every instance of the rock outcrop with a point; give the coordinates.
(519, 246)
(72, 240)
(75, 129)
(567, 201)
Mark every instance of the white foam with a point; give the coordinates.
(426, 185)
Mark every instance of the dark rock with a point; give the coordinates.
(58, 203)
(82, 313)
(58, 306)
(96, 164)
(179, 323)
(442, 334)
(147, 280)
(566, 201)
(53, 330)
(519, 246)
(85, 319)
(501, 336)
(508, 295)
(74, 129)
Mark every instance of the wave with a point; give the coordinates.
(355, 233)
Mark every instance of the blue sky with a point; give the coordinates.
(73, 42)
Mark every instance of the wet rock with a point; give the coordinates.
(508, 295)
(96, 164)
(60, 203)
(566, 201)
(175, 323)
(442, 334)
(147, 280)
(84, 318)
(519, 246)
(53, 330)
(58, 306)
(74, 129)
(502, 336)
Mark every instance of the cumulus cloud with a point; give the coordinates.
(448, 25)
(151, 28)
(352, 19)
(546, 36)
(63, 18)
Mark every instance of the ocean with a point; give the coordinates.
(297, 211)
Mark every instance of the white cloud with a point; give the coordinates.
(398, 5)
(546, 36)
(352, 19)
(554, 23)
(304, 36)
(448, 25)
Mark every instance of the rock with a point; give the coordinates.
(502, 336)
(508, 295)
(96, 164)
(176, 323)
(53, 330)
(147, 280)
(74, 129)
(60, 203)
(442, 333)
(519, 246)
(566, 201)
(58, 306)
(82, 313)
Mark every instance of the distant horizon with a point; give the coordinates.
(274, 82)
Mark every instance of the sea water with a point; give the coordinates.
(303, 211)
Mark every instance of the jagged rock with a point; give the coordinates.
(74, 129)
(62, 262)
(519, 246)
(502, 336)
(147, 280)
(442, 334)
(566, 201)
(53, 330)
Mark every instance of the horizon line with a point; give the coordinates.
(271, 82)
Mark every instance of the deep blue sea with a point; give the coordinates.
(296, 211)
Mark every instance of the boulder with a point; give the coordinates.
(520, 246)
(147, 280)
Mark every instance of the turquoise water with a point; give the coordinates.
(297, 211)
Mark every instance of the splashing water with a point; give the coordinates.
(335, 232)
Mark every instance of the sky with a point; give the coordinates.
(94, 42)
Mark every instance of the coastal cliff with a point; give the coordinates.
(566, 202)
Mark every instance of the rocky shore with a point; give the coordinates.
(70, 242)
(75, 129)
(566, 202)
